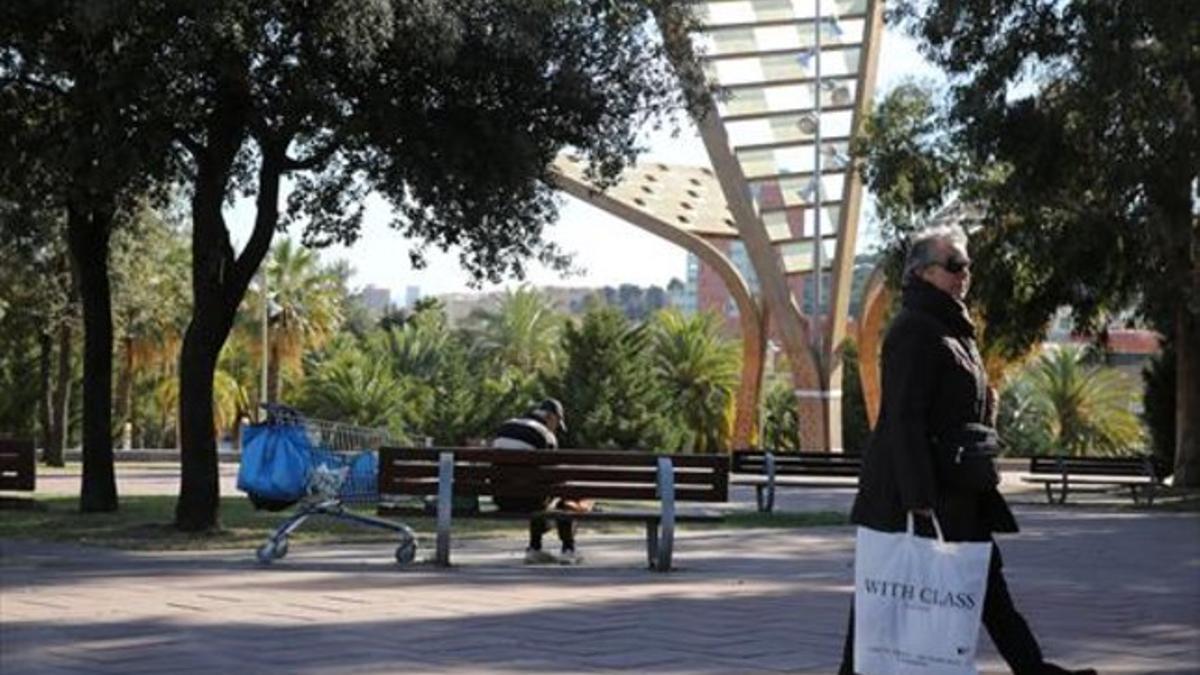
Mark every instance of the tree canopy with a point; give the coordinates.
(1073, 127)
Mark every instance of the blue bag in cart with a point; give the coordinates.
(276, 461)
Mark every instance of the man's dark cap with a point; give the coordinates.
(552, 405)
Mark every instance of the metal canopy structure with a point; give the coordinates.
(792, 81)
(684, 205)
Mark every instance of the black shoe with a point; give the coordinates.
(1052, 669)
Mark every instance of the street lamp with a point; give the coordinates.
(816, 201)
(262, 385)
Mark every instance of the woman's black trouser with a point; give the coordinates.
(1005, 625)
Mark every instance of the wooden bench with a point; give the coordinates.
(767, 471)
(573, 474)
(17, 465)
(1091, 473)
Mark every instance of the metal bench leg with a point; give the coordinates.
(666, 495)
(760, 498)
(651, 543)
(444, 507)
(769, 467)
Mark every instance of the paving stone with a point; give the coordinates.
(743, 601)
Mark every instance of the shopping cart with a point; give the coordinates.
(341, 468)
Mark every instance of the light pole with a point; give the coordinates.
(817, 192)
(262, 387)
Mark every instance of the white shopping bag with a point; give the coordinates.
(917, 602)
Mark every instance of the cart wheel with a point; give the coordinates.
(266, 552)
(406, 552)
(271, 550)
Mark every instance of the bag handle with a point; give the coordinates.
(937, 527)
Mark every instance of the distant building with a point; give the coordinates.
(704, 289)
(411, 295)
(682, 296)
(1126, 348)
(376, 299)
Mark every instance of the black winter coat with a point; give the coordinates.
(933, 382)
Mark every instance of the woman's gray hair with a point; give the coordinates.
(923, 248)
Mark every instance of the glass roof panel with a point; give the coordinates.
(797, 128)
(717, 12)
(787, 97)
(798, 256)
(779, 67)
(794, 159)
(740, 39)
(774, 193)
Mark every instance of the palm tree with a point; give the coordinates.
(416, 348)
(522, 333)
(354, 387)
(229, 398)
(699, 369)
(150, 306)
(1078, 408)
(304, 308)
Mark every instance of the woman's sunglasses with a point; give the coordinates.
(954, 265)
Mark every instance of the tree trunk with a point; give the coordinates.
(273, 372)
(219, 282)
(60, 404)
(45, 393)
(1187, 398)
(88, 233)
(199, 488)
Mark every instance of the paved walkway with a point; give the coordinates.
(1114, 589)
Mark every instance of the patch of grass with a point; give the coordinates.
(144, 523)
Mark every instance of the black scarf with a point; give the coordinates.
(921, 296)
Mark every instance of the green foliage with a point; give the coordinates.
(1077, 127)
(450, 396)
(856, 431)
(1158, 404)
(521, 334)
(781, 426)
(698, 370)
(1061, 404)
(608, 386)
(352, 386)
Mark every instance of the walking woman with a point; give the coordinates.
(935, 392)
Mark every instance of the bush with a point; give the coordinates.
(1158, 405)
(856, 430)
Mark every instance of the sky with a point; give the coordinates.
(607, 251)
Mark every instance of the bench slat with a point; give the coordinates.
(549, 474)
(565, 490)
(541, 458)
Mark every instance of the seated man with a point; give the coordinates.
(536, 431)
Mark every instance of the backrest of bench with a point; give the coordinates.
(16, 465)
(1092, 466)
(798, 463)
(574, 474)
